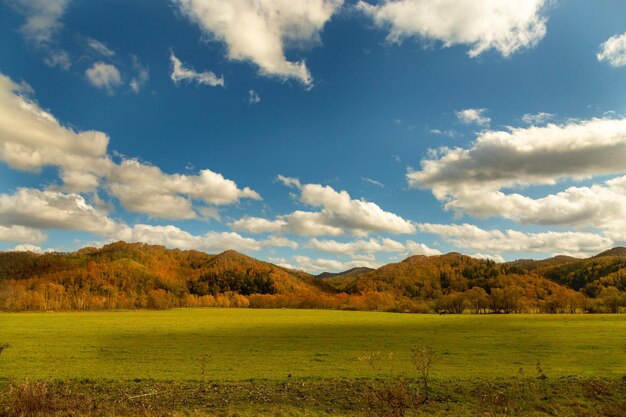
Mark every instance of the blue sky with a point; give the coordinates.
(322, 134)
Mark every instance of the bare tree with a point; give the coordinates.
(423, 357)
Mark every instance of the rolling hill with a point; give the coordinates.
(136, 275)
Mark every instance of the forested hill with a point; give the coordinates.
(135, 275)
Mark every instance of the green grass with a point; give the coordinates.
(239, 344)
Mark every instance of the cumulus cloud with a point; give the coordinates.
(600, 205)
(359, 247)
(27, 211)
(470, 237)
(489, 257)
(54, 210)
(27, 247)
(172, 236)
(416, 248)
(368, 246)
(473, 117)
(21, 234)
(470, 180)
(43, 18)
(259, 31)
(31, 138)
(505, 26)
(146, 189)
(613, 51)
(182, 73)
(527, 156)
(104, 76)
(338, 214)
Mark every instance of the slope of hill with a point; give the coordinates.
(618, 251)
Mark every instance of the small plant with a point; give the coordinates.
(203, 367)
(423, 357)
(30, 398)
(388, 396)
(493, 400)
(540, 373)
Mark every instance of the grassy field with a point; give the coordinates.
(240, 344)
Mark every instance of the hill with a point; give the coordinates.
(589, 275)
(353, 272)
(432, 276)
(618, 251)
(136, 275)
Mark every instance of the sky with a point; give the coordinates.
(315, 134)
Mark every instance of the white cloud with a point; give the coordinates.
(104, 76)
(21, 234)
(359, 216)
(495, 258)
(53, 210)
(31, 138)
(538, 118)
(42, 18)
(415, 248)
(373, 182)
(27, 247)
(146, 189)
(100, 48)
(473, 117)
(613, 51)
(142, 75)
(58, 58)
(317, 265)
(506, 26)
(447, 133)
(368, 246)
(260, 30)
(527, 156)
(360, 248)
(253, 97)
(339, 214)
(470, 180)
(600, 205)
(289, 181)
(182, 73)
(22, 215)
(172, 236)
(470, 237)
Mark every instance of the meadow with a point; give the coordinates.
(244, 344)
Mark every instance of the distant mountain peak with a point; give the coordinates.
(359, 270)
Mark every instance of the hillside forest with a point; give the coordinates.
(140, 276)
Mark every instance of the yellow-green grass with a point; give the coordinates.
(239, 344)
